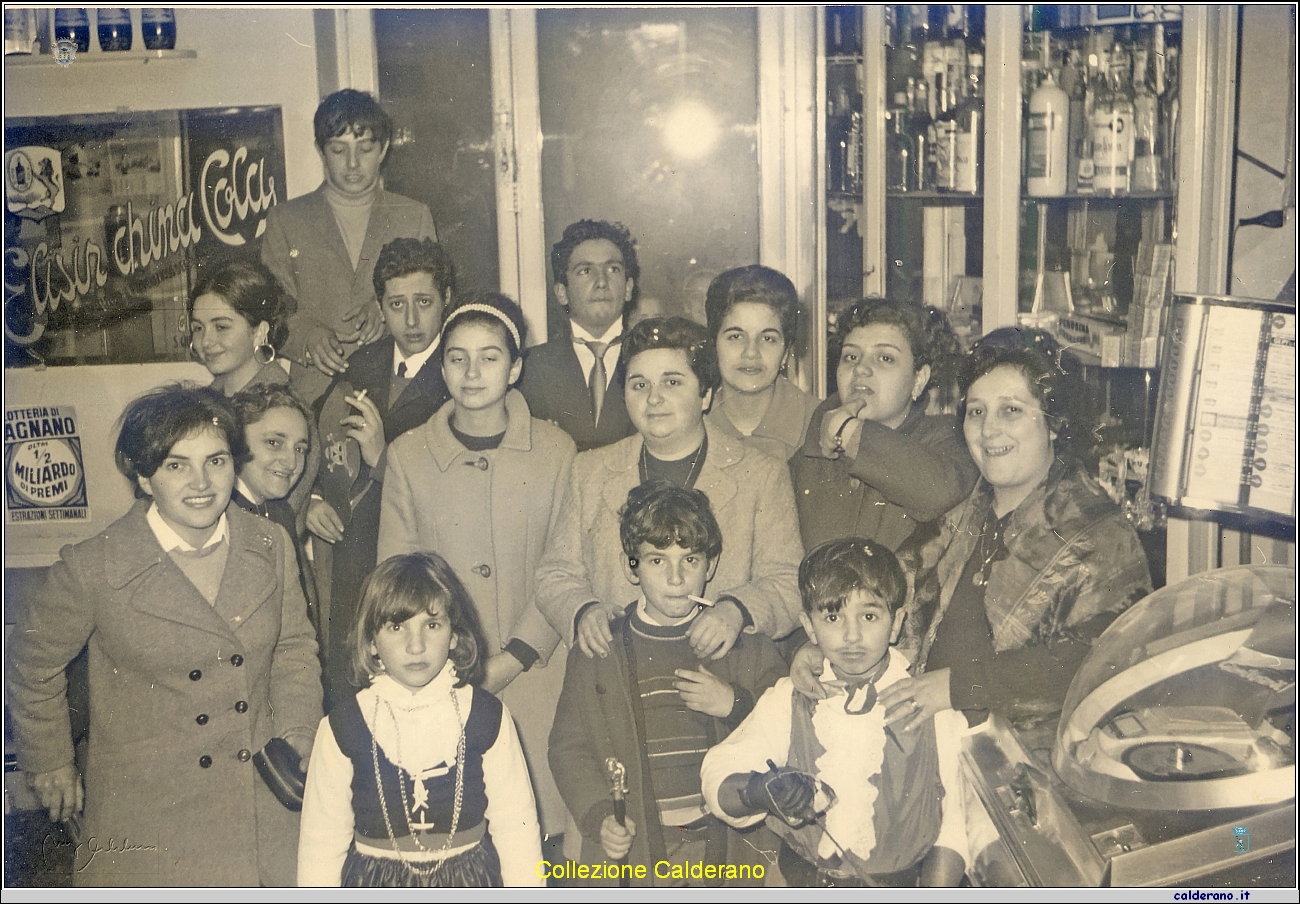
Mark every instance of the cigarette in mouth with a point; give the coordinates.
(701, 600)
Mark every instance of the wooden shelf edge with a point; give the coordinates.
(103, 57)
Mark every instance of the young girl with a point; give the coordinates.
(408, 776)
(875, 464)
(480, 482)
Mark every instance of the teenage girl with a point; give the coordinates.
(408, 775)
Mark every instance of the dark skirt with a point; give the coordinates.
(479, 867)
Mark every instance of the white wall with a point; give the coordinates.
(245, 57)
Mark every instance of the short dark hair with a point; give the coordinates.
(679, 333)
(352, 111)
(253, 402)
(926, 329)
(406, 585)
(837, 568)
(587, 230)
(402, 257)
(153, 423)
(470, 308)
(758, 284)
(662, 514)
(1037, 355)
(253, 292)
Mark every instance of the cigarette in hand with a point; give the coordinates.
(701, 600)
(361, 395)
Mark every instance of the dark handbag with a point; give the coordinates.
(281, 769)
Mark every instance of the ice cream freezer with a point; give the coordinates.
(1174, 757)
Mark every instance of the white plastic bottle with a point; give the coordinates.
(1048, 133)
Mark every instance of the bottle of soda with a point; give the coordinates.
(73, 25)
(114, 24)
(158, 27)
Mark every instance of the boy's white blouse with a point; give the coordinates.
(428, 738)
(854, 751)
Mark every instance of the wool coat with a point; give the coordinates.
(182, 693)
(781, 432)
(357, 501)
(489, 514)
(751, 498)
(304, 249)
(556, 388)
(900, 478)
(599, 716)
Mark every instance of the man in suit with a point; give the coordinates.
(574, 380)
(391, 386)
(322, 247)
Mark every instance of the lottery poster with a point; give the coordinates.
(45, 476)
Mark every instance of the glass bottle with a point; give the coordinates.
(919, 130)
(838, 124)
(114, 26)
(970, 129)
(1048, 140)
(899, 170)
(158, 27)
(1146, 124)
(944, 137)
(73, 25)
(1074, 82)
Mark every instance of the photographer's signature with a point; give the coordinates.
(92, 847)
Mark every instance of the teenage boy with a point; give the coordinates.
(856, 800)
(390, 387)
(655, 706)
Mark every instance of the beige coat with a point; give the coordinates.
(168, 675)
(489, 514)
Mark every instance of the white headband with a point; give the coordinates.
(487, 309)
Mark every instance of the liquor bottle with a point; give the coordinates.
(1146, 122)
(853, 153)
(944, 137)
(838, 124)
(899, 172)
(158, 27)
(918, 94)
(73, 25)
(20, 31)
(1112, 132)
(1048, 140)
(970, 128)
(114, 25)
(1074, 83)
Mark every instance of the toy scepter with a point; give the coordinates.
(618, 790)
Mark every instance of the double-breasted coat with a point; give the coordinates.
(489, 514)
(182, 694)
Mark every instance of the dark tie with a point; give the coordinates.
(401, 370)
(598, 378)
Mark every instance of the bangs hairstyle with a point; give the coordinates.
(402, 257)
(352, 111)
(833, 571)
(406, 585)
(926, 329)
(587, 230)
(756, 284)
(156, 421)
(254, 293)
(469, 309)
(252, 403)
(1037, 355)
(681, 334)
(663, 514)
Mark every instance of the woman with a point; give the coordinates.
(200, 653)
(239, 319)
(1017, 581)
(479, 483)
(753, 313)
(279, 441)
(671, 374)
(875, 465)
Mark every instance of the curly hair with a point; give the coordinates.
(587, 230)
(406, 585)
(677, 333)
(254, 401)
(402, 257)
(1037, 355)
(253, 292)
(836, 568)
(758, 284)
(352, 111)
(663, 514)
(926, 329)
(153, 423)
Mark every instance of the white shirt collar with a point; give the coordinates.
(581, 335)
(416, 361)
(643, 612)
(168, 539)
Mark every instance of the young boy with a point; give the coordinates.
(857, 801)
(656, 708)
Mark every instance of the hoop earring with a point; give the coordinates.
(194, 352)
(264, 354)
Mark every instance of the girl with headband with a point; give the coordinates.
(480, 484)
